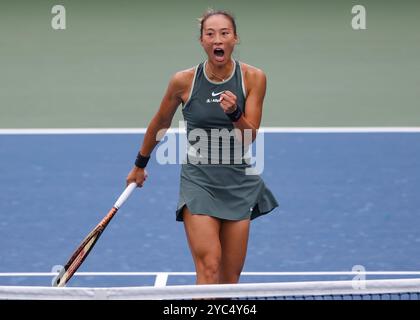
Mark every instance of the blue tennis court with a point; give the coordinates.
(345, 199)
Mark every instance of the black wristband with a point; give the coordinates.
(141, 161)
(235, 115)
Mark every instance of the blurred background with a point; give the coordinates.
(111, 65)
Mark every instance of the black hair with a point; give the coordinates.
(212, 12)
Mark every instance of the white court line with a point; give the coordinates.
(57, 131)
(161, 278)
(69, 131)
(339, 129)
(246, 273)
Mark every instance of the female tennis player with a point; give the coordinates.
(216, 201)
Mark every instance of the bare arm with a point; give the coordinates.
(251, 119)
(160, 123)
(163, 118)
(254, 103)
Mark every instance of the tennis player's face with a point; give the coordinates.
(218, 39)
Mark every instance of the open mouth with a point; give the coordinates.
(219, 53)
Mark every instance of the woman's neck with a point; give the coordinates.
(219, 73)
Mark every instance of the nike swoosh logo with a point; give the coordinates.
(216, 94)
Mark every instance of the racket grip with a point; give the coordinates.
(124, 196)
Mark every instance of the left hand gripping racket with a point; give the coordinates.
(87, 244)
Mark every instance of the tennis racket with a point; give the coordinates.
(87, 244)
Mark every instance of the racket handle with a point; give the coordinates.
(124, 196)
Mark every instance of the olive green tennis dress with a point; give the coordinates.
(214, 179)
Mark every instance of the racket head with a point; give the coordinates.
(77, 258)
(83, 250)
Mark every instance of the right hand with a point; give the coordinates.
(137, 175)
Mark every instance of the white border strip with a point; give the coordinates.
(70, 131)
(284, 289)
